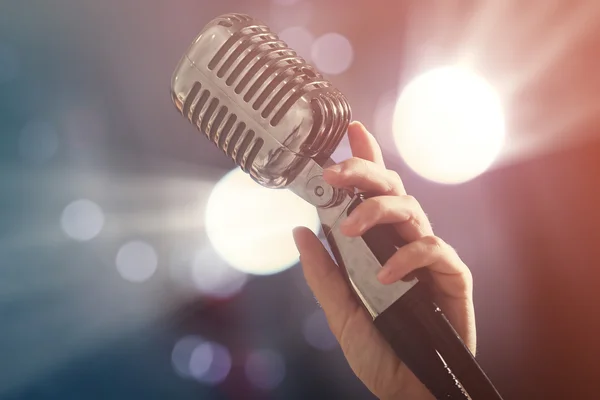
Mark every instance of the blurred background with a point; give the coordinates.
(119, 272)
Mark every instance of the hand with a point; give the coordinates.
(369, 355)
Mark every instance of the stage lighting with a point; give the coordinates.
(137, 261)
(193, 357)
(332, 53)
(449, 125)
(200, 270)
(250, 226)
(182, 353)
(212, 276)
(82, 220)
(210, 363)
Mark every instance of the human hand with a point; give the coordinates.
(369, 355)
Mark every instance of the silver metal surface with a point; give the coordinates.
(280, 121)
(257, 100)
(354, 255)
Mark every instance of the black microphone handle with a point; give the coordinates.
(419, 333)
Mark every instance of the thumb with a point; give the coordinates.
(326, 280)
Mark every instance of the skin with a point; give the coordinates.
(370, 357)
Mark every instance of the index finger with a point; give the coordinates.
(363, 144)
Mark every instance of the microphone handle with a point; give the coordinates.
(419, 332)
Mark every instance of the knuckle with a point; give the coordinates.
(352, 166)
(376, 205)
(412, 202)
(394, 176)
(344, 166)
(435, 244)
(394, 179)
(416, 215)
(355, 162)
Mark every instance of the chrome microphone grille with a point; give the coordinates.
(239, 83)
(221, 126)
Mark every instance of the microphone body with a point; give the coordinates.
(280, 121)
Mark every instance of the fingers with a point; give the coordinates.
(453, 277)
(366, 170)
(364, 175)
(363, 144)
(326, 281)
(403, 210)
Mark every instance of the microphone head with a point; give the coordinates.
(257, 100)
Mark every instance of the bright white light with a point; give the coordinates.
(251, 226)
(82, 220)
(210, 363)
(214, 278)
(38, 142)
(332, 53)
(265, 369)
(9, 64)
(136, 261)
(298, 39)
(317, 333)
(449, 125)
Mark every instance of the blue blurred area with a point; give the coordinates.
(85, 113)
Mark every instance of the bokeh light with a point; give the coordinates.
(210, 363)
(82, 220)
(213, 277)
(136, 261)
(201, 360)
(198, 269)
(265, 369)
(38, 142)
(317, 333)
(287, 13)
(251, 226)
(449, 125)
(207, 362)
(298, 39)
(332, 53)
(182, 354)
(9, 63)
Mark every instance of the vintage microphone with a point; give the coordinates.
(280, 121)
